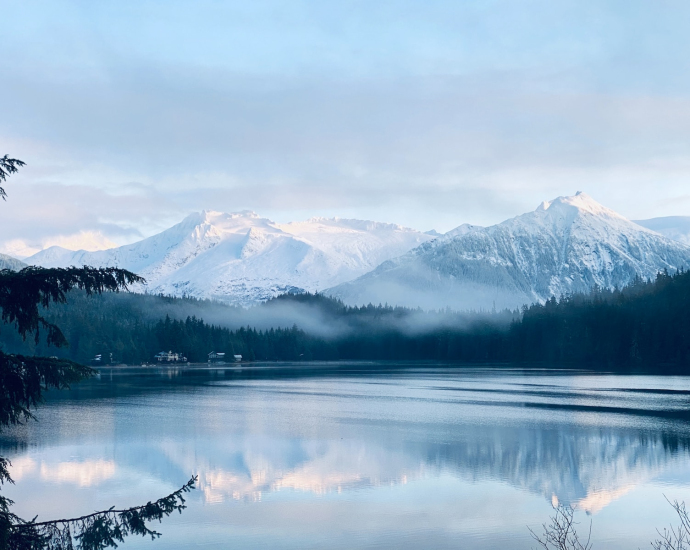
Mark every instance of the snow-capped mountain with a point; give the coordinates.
(565, 245)
(242, 259)
(8, 262)
(673, 227)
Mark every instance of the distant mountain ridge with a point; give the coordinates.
(566, 245)
(241, 258)
(673, 227)
(8, 262)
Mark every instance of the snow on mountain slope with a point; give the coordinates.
(241, 258)
(8, 262)
(673, 227)
(565, 245)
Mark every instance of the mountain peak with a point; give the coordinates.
(220, 221)
(566, 245)
(8, 262)
(213, 215)
(243, 258)
(580, 202)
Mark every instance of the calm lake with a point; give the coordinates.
(361, 455)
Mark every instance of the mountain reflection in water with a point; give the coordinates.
(585, 440)
(585, 468)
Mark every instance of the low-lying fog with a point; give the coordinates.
(315, 314)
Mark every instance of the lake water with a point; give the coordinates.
(361, 456)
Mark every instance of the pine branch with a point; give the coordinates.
(24, 379)
(22, 292)
(161, 503)
(8, 166)
(98, 530)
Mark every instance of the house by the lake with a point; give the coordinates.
(169, 357)
(216, 357)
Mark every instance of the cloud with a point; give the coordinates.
(84, 240)
(440, 116)
(85, 473)
(42, 214)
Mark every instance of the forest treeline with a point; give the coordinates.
(645, 324)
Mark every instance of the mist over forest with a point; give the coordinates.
(643, 325)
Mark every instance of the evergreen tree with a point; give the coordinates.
(24, 379)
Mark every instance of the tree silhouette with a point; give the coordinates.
(23, 381)
(8, 166)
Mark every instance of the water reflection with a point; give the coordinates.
(589, 441)
(84, 473)
(317, 467)
(585, 468)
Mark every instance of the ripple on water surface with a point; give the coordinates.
(344, 456)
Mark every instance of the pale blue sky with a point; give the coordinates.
(425, 113)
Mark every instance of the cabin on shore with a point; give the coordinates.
(216, 357)
(99, 360)
(237, 358)
(169, 357)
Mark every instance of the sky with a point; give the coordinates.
(430, 114)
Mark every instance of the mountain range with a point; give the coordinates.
(8, 262)
(673, 227)
(566, 245)
(243, 259)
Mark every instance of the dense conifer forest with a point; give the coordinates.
(645, 325)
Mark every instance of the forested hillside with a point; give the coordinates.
(646, 324)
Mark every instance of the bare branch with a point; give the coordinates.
(675, 538)
(561, 534)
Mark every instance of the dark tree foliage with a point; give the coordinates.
(25, 296)
(98, 530)
(644, 324)
(21, 294)
(23, 379)
(113, 324)
(8, 167)
(641, 327)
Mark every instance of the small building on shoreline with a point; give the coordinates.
(169, 357)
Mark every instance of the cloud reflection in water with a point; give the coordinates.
(263, 447)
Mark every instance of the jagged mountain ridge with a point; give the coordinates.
(566, 245)
(673, 227)
(8, 262)
(242, 259)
